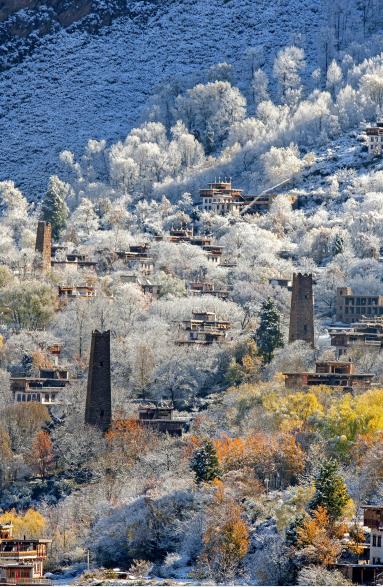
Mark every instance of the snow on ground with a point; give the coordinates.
(78, 86)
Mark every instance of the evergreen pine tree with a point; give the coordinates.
(54, 208)
(330, 490)
(204, 463)
(338, 245)
(268, 335)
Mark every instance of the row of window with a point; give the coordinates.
(361, 301)
(376, 540)
(222, 207)
(36, 397)
(364, 310)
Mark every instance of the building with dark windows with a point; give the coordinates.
(44, 389)
(332, 373)
(352, 308)
(203, 328)
(22, 559)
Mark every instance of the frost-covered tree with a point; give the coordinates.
(221, 72)
(259, 87)
(318, 575)
(84, 219)
(13, 210)
(209, 110)
(281, 163)
(371, 86)
(288, 66)
(334, 77)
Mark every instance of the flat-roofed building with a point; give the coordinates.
(67, 293)
(366, 334)
(74, 262)
(160, 417)
(200, 288)
(203, 328)
(375, 138)
(221, 198)
(21, 559)
(44, 389)
(280, 282)
(351, 307)
(331, 373)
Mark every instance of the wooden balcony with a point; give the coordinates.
(25, 581)
(21, 554)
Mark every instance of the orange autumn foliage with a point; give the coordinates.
(230, 451)
(226, 539)
(41, 456)
(128, 440)
(319, 538)
(265, 454)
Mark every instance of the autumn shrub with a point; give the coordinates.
(277, 458)
(225, 540)
(318, 539)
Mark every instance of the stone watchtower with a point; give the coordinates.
(302, 309)
(44, 244)
(98, 410)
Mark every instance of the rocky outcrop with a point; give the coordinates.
(24, 22)
(66, 12)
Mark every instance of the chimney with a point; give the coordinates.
(98, 410)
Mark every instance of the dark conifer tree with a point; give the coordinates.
(330, 490)
(204, 463)
(268, 335)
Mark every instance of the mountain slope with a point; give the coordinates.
(77, 85)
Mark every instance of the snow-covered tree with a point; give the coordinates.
(209, 110)
(334, 77)
(288, 66)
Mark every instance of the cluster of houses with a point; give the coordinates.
(359, 324)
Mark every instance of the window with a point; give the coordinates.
(379, 541)
(373, 540)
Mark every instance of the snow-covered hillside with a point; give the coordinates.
(77, 86)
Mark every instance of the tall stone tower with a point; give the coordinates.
(302, 309)
(44, 244)
(98, 410)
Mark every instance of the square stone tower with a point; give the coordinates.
(44, 244)
(98, 410)
(302, 309)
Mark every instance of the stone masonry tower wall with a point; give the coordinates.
(44, 244)
(302, 309)
(98, 410)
